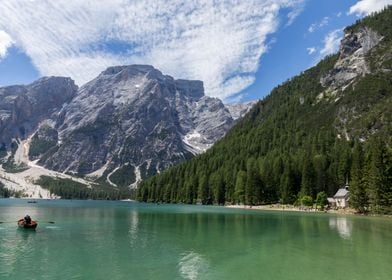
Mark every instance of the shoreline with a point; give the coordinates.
(291, 208)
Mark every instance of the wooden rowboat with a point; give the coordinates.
(32, 225)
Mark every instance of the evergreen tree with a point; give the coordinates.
(218, 188)
(320, 164)
(240, 187)
(203, 192)
(307, 181)
(375, 178)
(358, 195)
(287, 185)
(252, 182)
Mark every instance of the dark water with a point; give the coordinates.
(122, 240)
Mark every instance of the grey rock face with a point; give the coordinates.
(351, 63)
(129, 119)
(22, 108)
(238, 110)
(135, 115)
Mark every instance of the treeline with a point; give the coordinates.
(283, 178)
(299, 141)
(6, 193)
(70, 189)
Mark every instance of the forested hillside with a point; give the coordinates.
(329, 124)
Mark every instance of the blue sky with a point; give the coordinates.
(240, 49)
(290, 52)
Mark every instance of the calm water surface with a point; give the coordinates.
(122, 240)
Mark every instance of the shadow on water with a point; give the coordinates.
(26, 234)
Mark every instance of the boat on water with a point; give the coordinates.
(31, 225)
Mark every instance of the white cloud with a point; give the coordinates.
(365, 7)
(317, 25)
(311, 50)
(5, 43)
(219, 42)
(331, 42)
(299, 6)
(236, 98)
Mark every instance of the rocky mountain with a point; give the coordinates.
(354, 47)
(128, 123)
(22, 108)
(238, 110)
(331, 123)
(134, 119)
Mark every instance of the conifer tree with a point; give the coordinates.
(358, 195)
(307, 181)
(252, 182)
(203, 192)
(375, 178)
(287, 185)
(240, 187)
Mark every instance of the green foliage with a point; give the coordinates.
(124, 176)
(379, 21)
(358, 196)
(70, 189)
(378, 180)
(40, 146)
(321, 200)
(42, 141)
(294, 144)
(240, 187)
(6, 193)
(306, 200)
(10, 166)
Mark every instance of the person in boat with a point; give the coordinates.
(27, 220)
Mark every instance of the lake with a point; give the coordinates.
(125, 240)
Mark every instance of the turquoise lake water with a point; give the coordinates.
(123, 240)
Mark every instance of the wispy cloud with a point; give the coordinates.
(317, 25)
(219, 42)
(365, 7)
(331, 42)
(311, 50)
(5, 42)
(299, 6)
(236, 98)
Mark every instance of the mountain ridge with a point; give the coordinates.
(128, 123)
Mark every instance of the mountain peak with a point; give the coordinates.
(190, 88)
(135, 68)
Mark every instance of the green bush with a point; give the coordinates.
(307, 200)
(321, 200)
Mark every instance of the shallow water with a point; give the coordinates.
(122, 240)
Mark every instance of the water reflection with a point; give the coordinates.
(133, 227)
(343, 225)
(192, 265)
